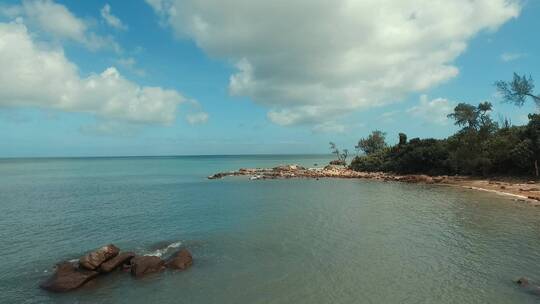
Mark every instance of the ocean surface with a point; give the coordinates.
(272, 241)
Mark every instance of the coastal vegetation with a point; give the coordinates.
(482, 146)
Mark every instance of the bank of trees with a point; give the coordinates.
(481, 147)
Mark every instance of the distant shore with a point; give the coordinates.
(518, 189)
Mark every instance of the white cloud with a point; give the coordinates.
(197, 118)
(131, 64)
(507, 57)
(311, 61)
(329, 127)
(111, 19)
(432, 111)
(56, 20)
(36, 76)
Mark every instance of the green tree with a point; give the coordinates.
(466, 116)
(402, 139)
(518, 90)
(373, 143)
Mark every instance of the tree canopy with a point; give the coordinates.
(480, 147)
(373, 143)
(518, 90)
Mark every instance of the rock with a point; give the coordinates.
(288, 168)
(182, 260)
(141, 265)
(528, 286)
(94, 259)
(438, 179)
(67, 277)
(217, 176)
(523, 281)
(121, 259)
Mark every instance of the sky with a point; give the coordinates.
(199, 77)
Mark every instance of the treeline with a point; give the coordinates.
(481, 147)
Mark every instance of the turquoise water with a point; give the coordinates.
(274, 241)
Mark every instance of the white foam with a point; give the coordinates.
(162, 251)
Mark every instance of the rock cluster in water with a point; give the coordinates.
(72, 275)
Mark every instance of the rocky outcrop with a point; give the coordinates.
(181, 260)
(329, 171)
(94, 259)
(123, 258)
(142, 265)
(68, 277)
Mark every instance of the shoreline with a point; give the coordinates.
(518, 189)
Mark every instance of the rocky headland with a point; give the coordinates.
(521, 190)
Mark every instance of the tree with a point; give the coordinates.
(518, 90)
(341, 157)
(334, 149)
(373, 143)
(533, 134)
(402, 139)
(466, 116)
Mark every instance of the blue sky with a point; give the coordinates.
(249, 77)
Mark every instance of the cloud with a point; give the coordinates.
(311, 61)
(507, 57)
(56, 20)
(197, 118)
(33, 75)
(131, 64)
(432, 111)
(111, 19)
(329, 127)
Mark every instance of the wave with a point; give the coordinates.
(162, 251)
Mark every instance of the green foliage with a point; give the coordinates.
(518, 90)
(373, 162)
(465, 116)
(341, 157)
(375, 142)
(402, 139)
(481, 147)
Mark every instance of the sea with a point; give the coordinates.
(260, 241)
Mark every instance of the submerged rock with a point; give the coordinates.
(119, 260)
(94, 259)
(67, 277)
(181, 260)
(523, 281)
(528, 286)
(141, 265)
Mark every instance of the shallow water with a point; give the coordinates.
(274, 241)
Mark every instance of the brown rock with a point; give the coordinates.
(92, 260)
(67, 277)
(121, 259)
(182, 260)
(141, 265)
(523, 281)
